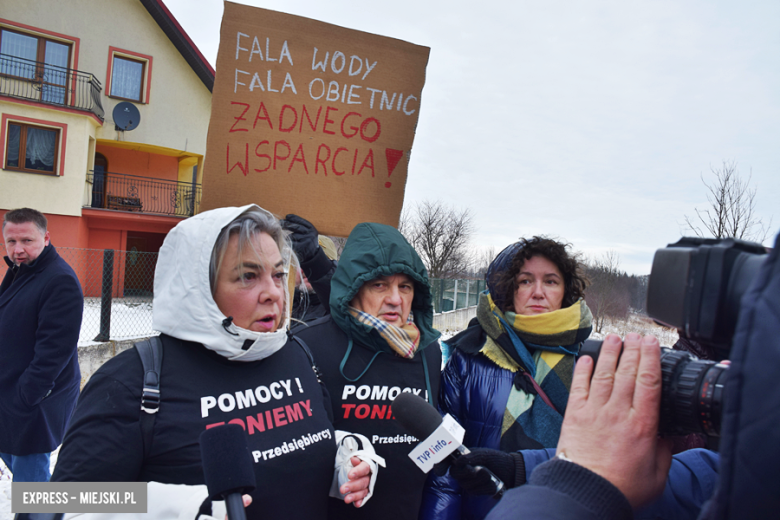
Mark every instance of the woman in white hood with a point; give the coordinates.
(221, 303)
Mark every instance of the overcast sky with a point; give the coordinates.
(588, 121)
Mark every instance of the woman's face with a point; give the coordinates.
(251, 289)
(539, 287)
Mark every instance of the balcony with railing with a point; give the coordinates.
(121, 192)
(33, 80)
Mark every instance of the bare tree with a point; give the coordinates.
(608, 295)
(481, 261)
(440, 234)
(406, 223)
(731, 211)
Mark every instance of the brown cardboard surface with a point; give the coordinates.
(311, 118)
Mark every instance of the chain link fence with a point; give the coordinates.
(118, 288)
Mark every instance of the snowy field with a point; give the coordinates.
(5, 493)
(140, 313)
(640, 325)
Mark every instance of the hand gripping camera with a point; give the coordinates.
(696, 286)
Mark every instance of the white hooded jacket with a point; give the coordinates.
(183, 304)
(184, 308)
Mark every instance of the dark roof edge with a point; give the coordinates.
(181, 41)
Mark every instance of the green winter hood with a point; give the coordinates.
(374, 250)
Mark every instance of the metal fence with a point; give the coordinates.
(118, 288)
(143, 194)
(449, 295)
(50, 84)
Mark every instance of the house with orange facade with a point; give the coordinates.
(104, 115)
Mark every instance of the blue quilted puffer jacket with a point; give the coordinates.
(474, 391)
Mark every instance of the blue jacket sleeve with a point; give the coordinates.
(691, 482)
(442, 495)
(533, 458)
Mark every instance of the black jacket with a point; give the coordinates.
(40, 317)
(277, 400)
(363, 406)
(319, 271)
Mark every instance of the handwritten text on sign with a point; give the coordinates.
(308, 115)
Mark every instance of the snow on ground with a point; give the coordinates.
(639, 324)
(131, 318)
(5, 493)
(5, 487)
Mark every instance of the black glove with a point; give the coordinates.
(304, 236)
(509, 467)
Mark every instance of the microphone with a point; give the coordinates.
(421, 420)
(227, 467)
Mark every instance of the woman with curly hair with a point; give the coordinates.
(507, 381)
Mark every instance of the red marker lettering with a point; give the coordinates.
(264, 117)
(301, 159)
(276, 153)
(316, 121)
(363, 127)
(368, 162)
(282, 128)
(239, 118)
(354, 129)
(262, 156)
(333, 164)
(328, 121)
(322, 161)
(242, 167)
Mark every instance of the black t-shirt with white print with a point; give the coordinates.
(364, 407)
(278, 402)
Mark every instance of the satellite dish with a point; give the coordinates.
(126, 116)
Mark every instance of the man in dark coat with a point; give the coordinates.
(41, 305)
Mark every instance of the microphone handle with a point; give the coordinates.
(234, 503)
(498, 484)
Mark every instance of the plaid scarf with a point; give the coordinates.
(403, 340)
(540, 350)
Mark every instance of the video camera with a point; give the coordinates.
(696, 286)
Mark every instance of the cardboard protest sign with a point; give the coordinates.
(311, 118)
